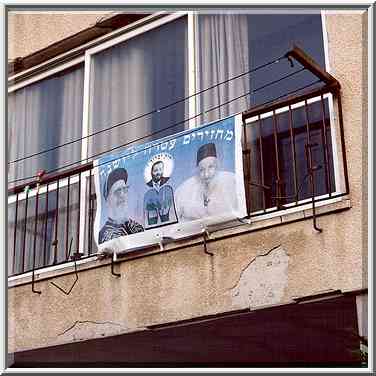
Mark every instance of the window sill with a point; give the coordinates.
(235, 228)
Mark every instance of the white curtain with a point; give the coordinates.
(40, 116)
(43, 115)
(136, 77)
(222, 53)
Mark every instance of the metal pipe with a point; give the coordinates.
(79, 212)
(45, 229)
(343, 144)
(35, 227)
(293, 153)
(35, 244)
(279, 180)
(15, 236)
(90, 215)
(310, 168)
(67, 221)
(112, 268)
(325, 149)
(247, 170)
(295, 98)
(51, 178)
(55, 242)
(262, 165)
(24, 237)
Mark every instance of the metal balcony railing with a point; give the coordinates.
(288, 161)
(288, 147)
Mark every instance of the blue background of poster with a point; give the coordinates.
(183, 149)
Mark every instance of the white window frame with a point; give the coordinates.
(111, 39)
(111, 43)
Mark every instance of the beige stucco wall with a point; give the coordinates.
(248, 270)
(31, 31)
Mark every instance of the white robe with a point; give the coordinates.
(221, 195)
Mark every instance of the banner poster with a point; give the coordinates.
(170, 188)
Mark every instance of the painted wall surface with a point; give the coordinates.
(31, 31)
(248, 270)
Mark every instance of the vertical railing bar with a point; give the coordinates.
(247, 168)
(310, 168)
(308, 130)
(325, 146)
(35, 226)
(293, 151)
(15, 236)
(24, 237)
(56, 222)
(79, 212)
(262, 164)
(275, 133)
(343, 143)
(67, 222)
(90, 214)
(45, 229)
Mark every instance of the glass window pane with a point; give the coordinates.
(136, 77)
(43, 115)
(231, 44)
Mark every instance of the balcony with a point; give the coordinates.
(293, 155)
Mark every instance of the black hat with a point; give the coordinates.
(207, 150)
(113, 177)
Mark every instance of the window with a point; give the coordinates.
(42, 115)
(135, 77)
(230, 44)
(121, 82)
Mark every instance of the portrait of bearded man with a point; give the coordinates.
(209, 192)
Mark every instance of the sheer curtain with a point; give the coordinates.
(222, 52)
(135, 77)
(40, 116)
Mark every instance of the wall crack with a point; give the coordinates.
(263, 280)
(254, 259)
(88, 322)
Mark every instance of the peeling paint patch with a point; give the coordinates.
(263, 281)
(82, 330)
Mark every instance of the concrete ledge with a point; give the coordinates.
(235, 228)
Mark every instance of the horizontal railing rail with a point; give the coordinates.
(45, 226)
(49, 178)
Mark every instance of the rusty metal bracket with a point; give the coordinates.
(112, 266)
(54, 244)
(205, 235)
(290, 61)
(311, 169)
(75, 257)
(33, 283)
(307, 62)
